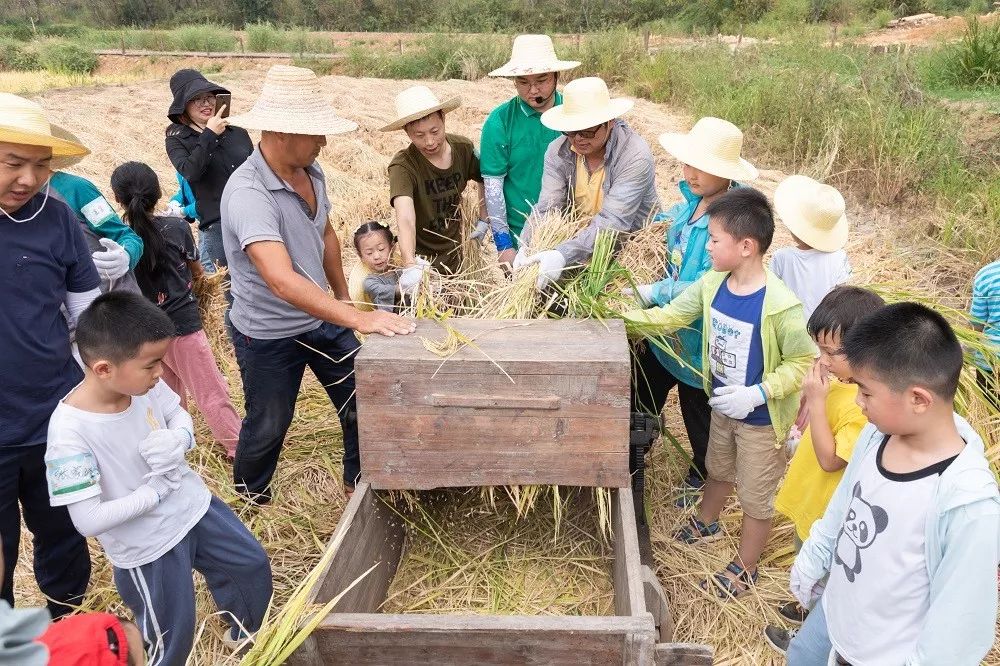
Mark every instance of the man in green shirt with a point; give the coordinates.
(513, 142)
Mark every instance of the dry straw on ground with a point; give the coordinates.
(297, 526)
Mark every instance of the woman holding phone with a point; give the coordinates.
(205, 150)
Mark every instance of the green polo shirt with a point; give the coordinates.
(513, 145)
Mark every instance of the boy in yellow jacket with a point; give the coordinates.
(756, 351)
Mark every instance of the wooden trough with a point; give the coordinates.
(528, 402)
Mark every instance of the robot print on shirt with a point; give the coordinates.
(862, 524)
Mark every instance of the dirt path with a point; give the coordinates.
(127, 122)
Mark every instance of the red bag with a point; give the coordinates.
(91, 639)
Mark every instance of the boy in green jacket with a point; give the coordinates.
(755, 353)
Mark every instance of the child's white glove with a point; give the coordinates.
(644, 292)
(482, 226)
(174, 209)
(737, 402)
(112, 261)
(164, 483)
(163, 450)
(411, 277)
(550, 267)
(805, 590)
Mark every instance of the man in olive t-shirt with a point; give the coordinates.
(426, 182)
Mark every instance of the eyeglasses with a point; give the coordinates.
(203, 99)
(584, 134)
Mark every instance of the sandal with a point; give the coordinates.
(725, 587)
(698, 532)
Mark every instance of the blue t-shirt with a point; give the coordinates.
(40, 260)
(736, 353)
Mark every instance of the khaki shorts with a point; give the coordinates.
(747, 456)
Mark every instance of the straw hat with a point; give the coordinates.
(356, 287)
(586, 103)
(292, 102)
(24, 122)
(814, 212)
(417, 102)
(533, 54)
(713, 146)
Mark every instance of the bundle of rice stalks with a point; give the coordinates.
(644, 254)
(465, 556)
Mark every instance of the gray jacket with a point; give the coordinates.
(630, 198)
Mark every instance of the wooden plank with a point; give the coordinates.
(397, 640)
(448, 469)
(372, 534)
(683, 654)
(542, 402)
(627, 571)
(657, 605)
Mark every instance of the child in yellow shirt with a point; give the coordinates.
(834, 422)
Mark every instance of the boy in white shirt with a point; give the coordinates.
(815, 214)
(115, 459)
(911, 537)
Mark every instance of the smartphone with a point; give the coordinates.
(223, 99)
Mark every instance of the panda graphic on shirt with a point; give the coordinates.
(862, 525)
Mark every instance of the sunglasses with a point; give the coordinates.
(203, 99)
(584, 134)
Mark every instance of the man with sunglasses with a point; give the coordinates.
(600, 168)
(513, 142)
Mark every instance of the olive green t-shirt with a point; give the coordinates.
(437, 198)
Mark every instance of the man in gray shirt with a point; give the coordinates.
(283, 259)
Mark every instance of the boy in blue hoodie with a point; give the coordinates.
(911, 538)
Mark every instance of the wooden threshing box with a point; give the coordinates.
(534, 402)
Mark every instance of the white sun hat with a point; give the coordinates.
(533, 54)
(24, 122)
(586, 103)
(418, 102)
(291, 102)
(815, 213)
(713, 145)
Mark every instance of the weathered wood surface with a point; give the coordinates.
(398, 640)
(683, 654)
(373, 534)
(657, 605)
(627, 570)
(530, 402)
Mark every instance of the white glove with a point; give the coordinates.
(165, 483)
(520, 259)
(793, 439)
(482, 226)
(805, 590)
(737, 402)
(163, 450)
(411, 277)
(112, 262)
(174, 209)
(644, 292)
(550, 267)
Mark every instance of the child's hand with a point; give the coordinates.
(805, 590)
(165, 483)
(165, 449)
(816, 385)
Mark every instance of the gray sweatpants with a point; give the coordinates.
(161, 593)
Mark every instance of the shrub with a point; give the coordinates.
(207, 37)
(263, 37)
(19, 30)
(322, 66)
(15, 55)
(67, 58)
(975, 60)
(613, 56)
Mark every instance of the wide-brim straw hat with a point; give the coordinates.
(533, 54)
(586, 103)
(418, 102)
(24, 122)
(815, 213)
(714, 146)
(291, 102)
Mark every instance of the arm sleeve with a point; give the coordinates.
(170, 404)
(621, 211)
(797, 354)
(192, 164)
(88, 202)
(553, 194)
(960, 624)
(401, 183)
(496, 208)
(92, 516)
(77, 302)
(683, 310)
(381, 292)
